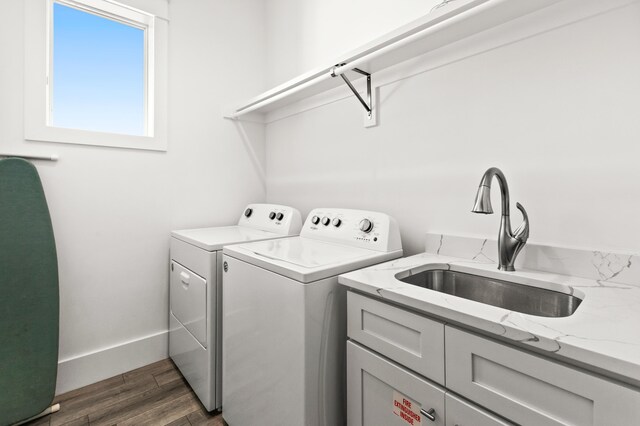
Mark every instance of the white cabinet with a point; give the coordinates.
(381, 393)
(532, 390)
(409, 339)
(391, 380)
(394, 355)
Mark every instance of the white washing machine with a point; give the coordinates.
(284, 318)
(195, 288)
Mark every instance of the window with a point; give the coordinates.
(104, 67)
(98, 72)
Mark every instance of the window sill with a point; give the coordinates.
(86, 137)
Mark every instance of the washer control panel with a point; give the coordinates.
(272, 217)
(359, 228)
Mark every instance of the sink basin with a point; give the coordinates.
(504, 294)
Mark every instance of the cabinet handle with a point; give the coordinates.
(429, 414)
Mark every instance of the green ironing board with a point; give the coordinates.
(29, 305)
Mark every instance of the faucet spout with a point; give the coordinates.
(483, 198)
(509, 243)
(483, 201)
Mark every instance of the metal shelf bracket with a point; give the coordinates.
(368, 105)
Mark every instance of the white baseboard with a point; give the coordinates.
(89, 368)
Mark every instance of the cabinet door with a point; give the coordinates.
(531, 390)
(463, 413)
(381, 393)
(411, 340)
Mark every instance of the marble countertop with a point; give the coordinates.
(603, 333)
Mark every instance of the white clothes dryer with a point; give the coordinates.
(284, 318)
(195, 292)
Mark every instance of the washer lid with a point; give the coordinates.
(306, 259)
(308, 253)
(211, 239)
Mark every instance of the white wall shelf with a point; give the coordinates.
(443, 26)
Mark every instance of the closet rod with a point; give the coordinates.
(283, 93)
(367, 56)
(52, 157)
(450, 18)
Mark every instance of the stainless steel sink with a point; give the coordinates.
(504, 294)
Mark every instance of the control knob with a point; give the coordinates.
(326, 221)
(248, 212)
(272, 215)
(315, 220)
(366, 225)
(337, 222)
(279, 216)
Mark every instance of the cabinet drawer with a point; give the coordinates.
(381, 393)
(463, 413)
(409, 339)
(530, 390)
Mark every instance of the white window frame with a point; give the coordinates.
(39, 72)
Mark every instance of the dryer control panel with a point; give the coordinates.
(358, 228)
(275, 218)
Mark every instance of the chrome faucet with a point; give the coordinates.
(509, 243)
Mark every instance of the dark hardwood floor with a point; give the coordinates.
(152, 395)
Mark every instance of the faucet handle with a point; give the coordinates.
(522, 232)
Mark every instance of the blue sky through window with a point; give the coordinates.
(98, 73)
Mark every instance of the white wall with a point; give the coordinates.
(303, 35)
(557, 111)
(113, 209)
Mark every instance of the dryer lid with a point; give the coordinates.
(211, 239)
